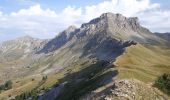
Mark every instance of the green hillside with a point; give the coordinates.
(143, 62)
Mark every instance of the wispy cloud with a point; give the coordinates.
(26, 2)
(46, 23)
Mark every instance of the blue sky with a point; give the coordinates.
(57, 5)
(46, 18)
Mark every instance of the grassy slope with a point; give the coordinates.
(26, 84)
(21, 85)
(143, 62)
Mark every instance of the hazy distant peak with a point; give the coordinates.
(26, 37)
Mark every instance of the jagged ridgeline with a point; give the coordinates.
(82, 62)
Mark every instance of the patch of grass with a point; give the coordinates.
(19, 86)
(134, 74)
(143, 62)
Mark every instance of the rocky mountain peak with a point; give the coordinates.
(25, 44)
(119, 17)
(27, 40)
(68, 32)
(105, 15)
(112, 16)
(71, 28)
(134, 22)
(111, 20)
(61, 39)
(26, 37)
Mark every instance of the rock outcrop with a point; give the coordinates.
(126, 90)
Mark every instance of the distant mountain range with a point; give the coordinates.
(165, 36)
(106, 39)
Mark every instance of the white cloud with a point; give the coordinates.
(46, 23)
(125, 7)
(158, 20)
(38, 22)
(34, 11)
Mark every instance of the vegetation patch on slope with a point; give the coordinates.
(6, 86)
(163, 83)
(143, 62)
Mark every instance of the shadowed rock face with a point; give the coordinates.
(84, 80)
(105, 48)
(59, 40)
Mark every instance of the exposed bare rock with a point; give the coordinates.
(126, 90)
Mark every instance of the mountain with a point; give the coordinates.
(24, 44)
(16, 55)
(106, 38)
(165, 36)
(108, 25)
(96, 39)
(101, 35)
(60, 40)
(120, 27)
(78, 62)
